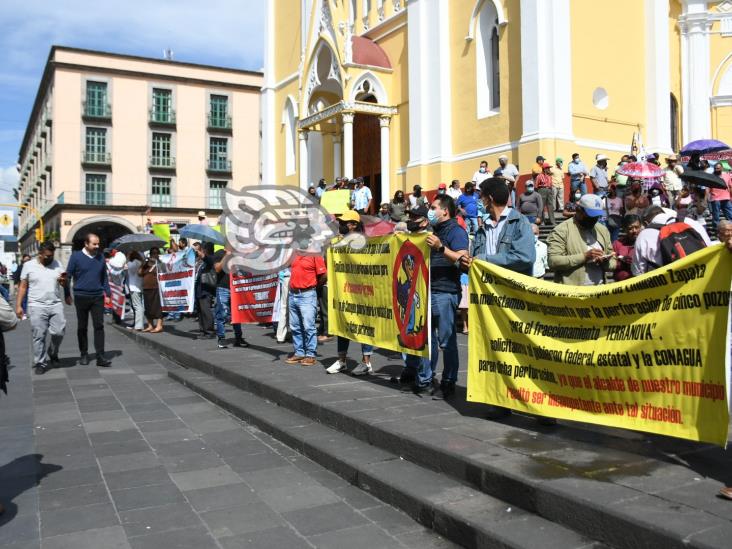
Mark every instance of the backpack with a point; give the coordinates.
(677, 239)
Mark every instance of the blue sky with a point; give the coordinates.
(215, 32)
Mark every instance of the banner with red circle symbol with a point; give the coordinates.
(379, 293)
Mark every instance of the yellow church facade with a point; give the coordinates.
(420, 91)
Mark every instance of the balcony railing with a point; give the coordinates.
(162, 116)
(219, 122)
(141, 200)
(219, 165)
(96, 158)
(97, 111)
(165, 162)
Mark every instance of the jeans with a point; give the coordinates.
(718, 206)
(222, 313)
(46, 320)
(205, 319)
(342, 344)
(531, 218)
(138, 310)
(303, 308)
(86, 305)
(444, 336)
(579, 184)
(471, 224)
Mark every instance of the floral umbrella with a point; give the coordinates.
(641, 170)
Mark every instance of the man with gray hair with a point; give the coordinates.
(43, 280)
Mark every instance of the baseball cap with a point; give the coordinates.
(201, 213)
(419, 211)
(559, 159)
(540, 158)
(546, 165)
(442, 186)
(417, 188)
(350, 215)
(592, 205)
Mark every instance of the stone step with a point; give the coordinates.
(462, 514)
(591, 505)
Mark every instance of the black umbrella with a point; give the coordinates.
(137, 242)
(700, 177)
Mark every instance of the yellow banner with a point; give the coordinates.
(162, 231)
(647, 354)
(379, 294)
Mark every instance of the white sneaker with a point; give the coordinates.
(336, 367)
(362, 369)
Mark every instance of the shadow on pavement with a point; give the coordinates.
(18, 476)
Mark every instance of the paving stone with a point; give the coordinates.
(128, 462)
(137, 477)
(241, 519)
(152, 520)
(108, 425)
(112, 537)
(74, 496)
(188, 538)
(172, 435)
(146, 496)
(205, 478)
(21, 528)
(161, 425)
(218, 497)
(180, 448)
(393, 521)
(324, 518)
(360, 537)
(108, 437)
(205, 459)
(121, 448)
(65, 478)
(256, 462)
(281, 537)
(66, 520)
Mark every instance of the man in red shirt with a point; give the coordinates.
(306, 274)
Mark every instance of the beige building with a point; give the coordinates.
(115, 141)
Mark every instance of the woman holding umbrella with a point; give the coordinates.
(151, 293)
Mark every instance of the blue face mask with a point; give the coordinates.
(432, 217)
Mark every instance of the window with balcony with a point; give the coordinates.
(162, 107)
(96, 147)
(160, 195)
(96, 104)
(96, 189)
(218, 156)
(218, 117)
(161, 151)
(216, 194)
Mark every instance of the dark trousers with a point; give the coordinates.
(205, 318)
(323, 304)
(93, 305)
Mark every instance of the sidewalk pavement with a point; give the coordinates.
(126, 458)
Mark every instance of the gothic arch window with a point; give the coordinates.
(288, 121)
(488, 75)
(369, 89)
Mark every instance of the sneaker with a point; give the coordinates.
(241, 342)
(103, 362)
(294, 359)
(222, 343)
(336, 367)
(84, 360)
(308, 361)
(362, 369)
(418, 389)
(39, 370)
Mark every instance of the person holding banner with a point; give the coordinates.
(307, 272)
(222, 307)
(134, 283)
(350, 222)
(151, 292)
(449, 244)
(205, 290)
(89, 272)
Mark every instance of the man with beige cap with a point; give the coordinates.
(598, 175)
(202, 218)
(671, 178)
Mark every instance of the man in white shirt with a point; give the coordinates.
(134, 283)
(647, 254)
(672, 178)
(453, 190)
(482, 174)
(361, 197)
(509, 172)
(541, 264)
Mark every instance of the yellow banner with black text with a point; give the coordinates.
(650, 353)
(378, 292)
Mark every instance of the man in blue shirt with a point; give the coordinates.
(448, 243)
(577, 173)
(88, 271)
(468, 206)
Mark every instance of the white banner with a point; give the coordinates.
(176, 278)
(6, 222)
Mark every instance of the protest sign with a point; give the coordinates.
(647, 354)
(252, 298)
(379, 294)
(176, 277)
(337, 201)
(116, 280)
(162, 231)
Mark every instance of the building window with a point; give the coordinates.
(488, 79)
(218, 155)
(216, 194)
(96, 146)
(219, 115)
(96, 100)
(160, 196)
(162, 110)
(161, 156)
(96, 189)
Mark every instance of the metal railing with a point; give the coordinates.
(219, 122)
(219, 165)
(162, 162)
(96, 157)
(162, 116)
(95, 110)
(137, 199)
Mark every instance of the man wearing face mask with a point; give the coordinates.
(482, 174)
(635, 201)
(398, 207)
(468, 207)
(43, 281)
(442, 189)
(570, 208)
(530, 203)
(448, 244)
(580, 249)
